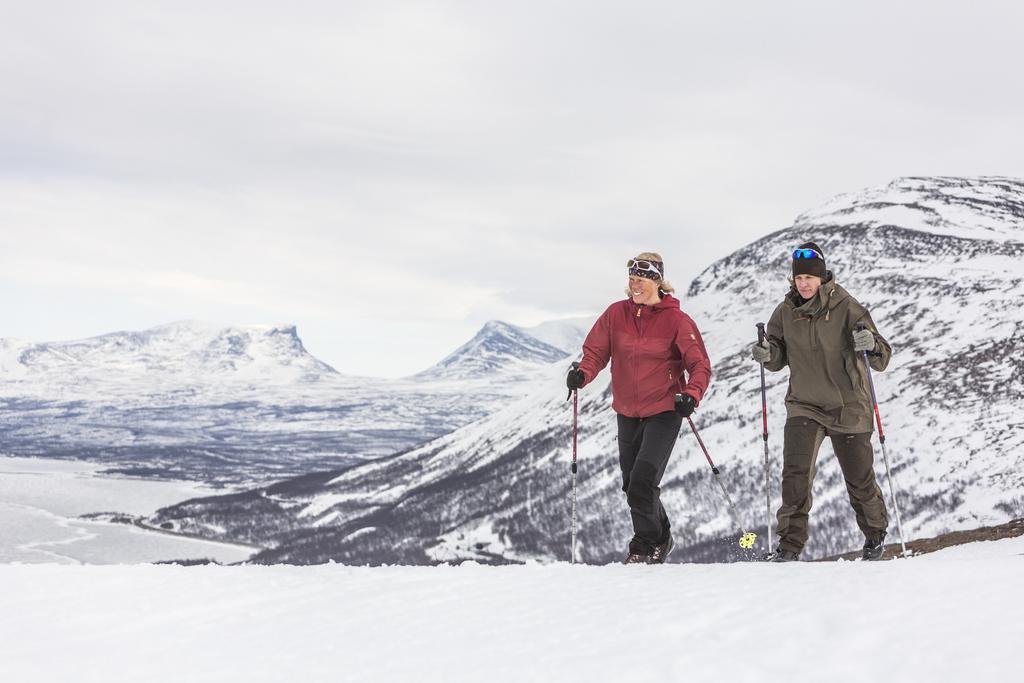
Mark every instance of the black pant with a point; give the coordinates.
(645, 444)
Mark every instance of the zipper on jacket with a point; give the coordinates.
(636, 358)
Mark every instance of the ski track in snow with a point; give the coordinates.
(950, 616)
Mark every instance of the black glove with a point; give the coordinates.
(685, 404)
(575, 379)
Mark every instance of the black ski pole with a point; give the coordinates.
(575, 418)
(881, 438)
(748, 538)
(764, 420)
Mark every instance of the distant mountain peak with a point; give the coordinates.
(498, 327)
(496, 347)
(187, 350)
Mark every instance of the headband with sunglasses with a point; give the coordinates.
(641, 266)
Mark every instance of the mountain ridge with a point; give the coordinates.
(235, 404)
(497, 346)
(497, 490)
(173, 349)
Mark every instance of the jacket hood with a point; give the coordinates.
(829, 295)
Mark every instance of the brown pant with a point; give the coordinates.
(856, 459)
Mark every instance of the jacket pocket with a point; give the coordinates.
(854, 372)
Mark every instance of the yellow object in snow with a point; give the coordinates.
(747, 540)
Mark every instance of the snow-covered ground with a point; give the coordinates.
(954, 615)
(41, 500)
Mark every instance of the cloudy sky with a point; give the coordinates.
(389, 176)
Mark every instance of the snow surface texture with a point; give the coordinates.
(948, 295)
(951, 616)
(244, 404)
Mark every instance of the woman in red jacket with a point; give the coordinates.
(650, 343)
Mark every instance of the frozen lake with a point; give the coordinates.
(41, 499)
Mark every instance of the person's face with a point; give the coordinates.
(642, 290)
(807, 285)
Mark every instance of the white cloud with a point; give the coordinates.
(414, 169)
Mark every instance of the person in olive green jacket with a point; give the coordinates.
(815, 332)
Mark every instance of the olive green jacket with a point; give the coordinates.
(827, 379)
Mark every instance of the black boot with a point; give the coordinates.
(781, 555)
(873, 548)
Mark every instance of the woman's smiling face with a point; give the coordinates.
(643, 290)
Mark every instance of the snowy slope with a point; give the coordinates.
(237, 404)
(953, 403)
(921, 619)
(988, 208)
(946, 287)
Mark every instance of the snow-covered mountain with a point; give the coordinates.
(940, 264)
(178, 353)
(497, 347)
(239, 404)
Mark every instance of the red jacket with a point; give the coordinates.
(649, 347)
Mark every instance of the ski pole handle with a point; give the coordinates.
(575, 366)
(760, 333)
(860, 327)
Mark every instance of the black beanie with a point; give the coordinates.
(810, 266)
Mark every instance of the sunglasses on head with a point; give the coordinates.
(807, 253)
(643, 265)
